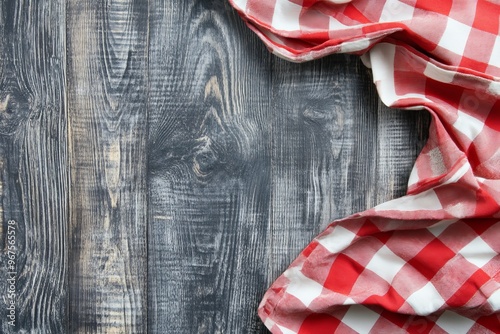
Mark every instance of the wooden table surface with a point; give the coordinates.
(159, 168)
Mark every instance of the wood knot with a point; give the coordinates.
(205, 158)
(14, 111)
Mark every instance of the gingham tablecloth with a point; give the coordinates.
(427, 262)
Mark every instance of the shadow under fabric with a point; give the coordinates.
(428, 261)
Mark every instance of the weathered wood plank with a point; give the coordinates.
(209, 169)
(336, 150)
(107, 95)
(401, 135)
(322, 126)
(33, 167)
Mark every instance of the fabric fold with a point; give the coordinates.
(428, 261)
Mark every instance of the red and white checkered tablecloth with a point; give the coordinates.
(427, 262)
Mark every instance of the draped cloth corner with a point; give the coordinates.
(428, 261)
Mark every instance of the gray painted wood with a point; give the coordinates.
(33, 165)
(209, 169)
(320, 134)
(107, 95)
(164, 168)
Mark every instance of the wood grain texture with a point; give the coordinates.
(336, 150)
(107, 93)
(401, 135)
(209, 169)
(322, 130)
(33, 164)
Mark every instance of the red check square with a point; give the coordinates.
(344, 273)
(433, 6)
(431, 258)
(319, 323)
(483, 20)
(468, 289)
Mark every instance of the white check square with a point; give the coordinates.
(455, 36)
(360, 318)
(425, 300)
(468, 125)
(395, 10)
(386, 264)
(301, 287)
(338, 240)
(478, 252)
(494, 301)
(495, 54)
(452, 322)
(286, 16)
